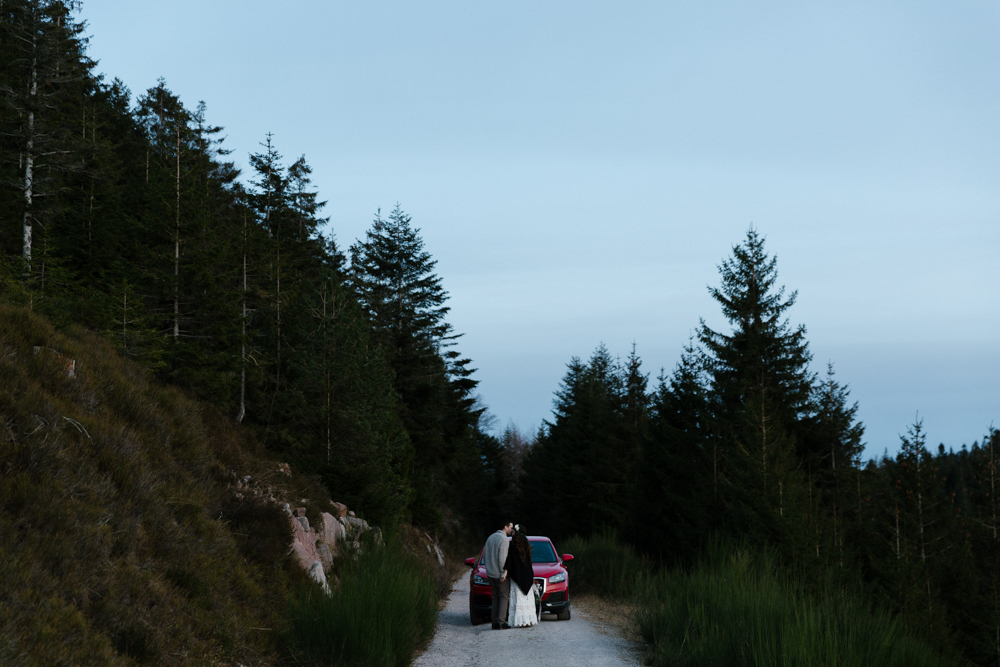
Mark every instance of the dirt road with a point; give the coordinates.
(579, 642)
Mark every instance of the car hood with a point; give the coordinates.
(547, 569)
(540, 569)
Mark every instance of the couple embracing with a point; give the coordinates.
(506, 562)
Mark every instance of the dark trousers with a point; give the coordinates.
(501, 599)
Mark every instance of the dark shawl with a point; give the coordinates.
(519, 571)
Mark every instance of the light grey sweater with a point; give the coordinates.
(495, 554)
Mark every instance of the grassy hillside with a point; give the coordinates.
(122, 539)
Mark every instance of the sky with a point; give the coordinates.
(580, 169)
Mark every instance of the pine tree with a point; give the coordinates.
(42, 89)
(760, 391)
(393, 278)
(581, 472)
(676, 484)
(270, 200)
(165, 120)
(831, 446)
(986, 526)
(923, 526)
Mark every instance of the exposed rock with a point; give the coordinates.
(68, 365)
(325, 555)
(304, 543)
(316, 551)
(317, 574)
(332, 532)
(314, 548)
(354, 522)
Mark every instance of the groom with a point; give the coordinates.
(494, 556)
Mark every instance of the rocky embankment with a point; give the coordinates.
(315, 547)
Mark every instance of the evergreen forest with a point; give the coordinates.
(122, 213)
(744, 442)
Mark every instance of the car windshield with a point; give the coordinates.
(541, 552)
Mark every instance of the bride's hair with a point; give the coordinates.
(523, 546)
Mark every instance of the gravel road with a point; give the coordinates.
(577, 642)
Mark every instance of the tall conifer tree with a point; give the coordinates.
(761, 387)
(393, 277)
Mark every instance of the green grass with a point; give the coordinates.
(738, 608)
(383, 609)
(603, 565)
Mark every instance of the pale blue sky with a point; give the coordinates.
(579, 169)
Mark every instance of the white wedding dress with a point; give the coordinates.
(522, 611)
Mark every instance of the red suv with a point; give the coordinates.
(551, 579)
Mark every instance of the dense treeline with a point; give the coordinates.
(125, 215)
(745, 442)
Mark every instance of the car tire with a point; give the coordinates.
(476, 618)
(564, 615)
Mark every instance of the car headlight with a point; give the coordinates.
(556, 578)
(481, 581)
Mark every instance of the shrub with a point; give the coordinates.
(739, 608)
(603, 565)
(383, 608)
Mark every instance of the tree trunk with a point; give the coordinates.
(277, 377)
(29, 161)
(243, 334)
(177, 241)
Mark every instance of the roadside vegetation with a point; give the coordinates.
(603, 565)
(384, 607)
(740, 607)
(124, 540)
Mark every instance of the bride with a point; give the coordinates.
(522, 610)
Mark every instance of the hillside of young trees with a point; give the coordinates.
(123, 213)
(745, 441)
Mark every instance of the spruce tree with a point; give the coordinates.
(580, 474)
(760, 391)
(830, 448)
(676, 485)
(394, 280)
(923, 525)
(43, 85)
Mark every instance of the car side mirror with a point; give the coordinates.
(471, 562)
(567, 557)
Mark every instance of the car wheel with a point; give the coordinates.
(564, 615)
(476, 618)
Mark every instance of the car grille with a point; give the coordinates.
(540, 583)
(482, 600)
(557, 597)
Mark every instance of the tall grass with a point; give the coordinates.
(384, 607)
(604, 565)
(738, 608)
